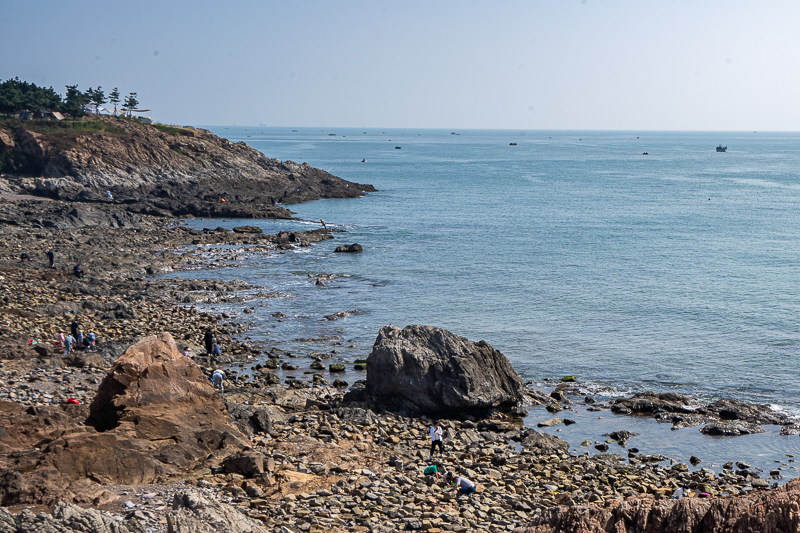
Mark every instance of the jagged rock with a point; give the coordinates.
(543, 443)
(253, 420)
(247, 229)
(66, 518)
(775, 510)
(354, 248)
(731, 428)
(650, 403)
(247, 463)
(727, 409)
(427, 370)
(192, 513)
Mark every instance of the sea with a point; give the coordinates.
(632, 260)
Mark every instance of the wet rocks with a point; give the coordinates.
(731, 429)
(422, 369)
(354, 248)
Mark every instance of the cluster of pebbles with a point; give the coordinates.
(346, 469)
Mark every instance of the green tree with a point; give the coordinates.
(11, 96)
(130, 103)
(74, 101)
(48, 99)
(113, 97)
(96, 97)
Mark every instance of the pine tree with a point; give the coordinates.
(130, 103)
(74, 101)
(113, 97)
(96, 97)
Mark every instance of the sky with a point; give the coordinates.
(533, 64)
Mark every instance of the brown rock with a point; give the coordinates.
(776, 510)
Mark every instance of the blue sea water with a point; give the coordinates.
(570, 252)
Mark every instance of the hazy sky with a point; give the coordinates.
(534, 64)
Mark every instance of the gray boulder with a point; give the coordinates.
(354, 248)
(192, 513)
(543, 443)
(425, 370)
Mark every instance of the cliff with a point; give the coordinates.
(157, 169)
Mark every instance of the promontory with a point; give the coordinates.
(156, 169)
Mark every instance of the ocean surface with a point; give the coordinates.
(571, 252)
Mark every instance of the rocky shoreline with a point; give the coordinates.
(312, 461)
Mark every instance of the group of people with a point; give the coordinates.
(75, 340)
(51, 259)
(461, 484)
(212, 346)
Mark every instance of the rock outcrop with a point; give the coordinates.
(66, 518)
(776, 510)
(428, 370)
(161, 170)
(192, 513)
(155, 416)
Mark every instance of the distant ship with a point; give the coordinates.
(721, 148)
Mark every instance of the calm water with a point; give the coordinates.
(571, 252)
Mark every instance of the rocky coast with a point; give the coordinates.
(304, 458)
(129, 435)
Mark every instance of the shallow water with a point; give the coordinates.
(572, 253)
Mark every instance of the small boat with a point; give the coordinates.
(396, 147)
(721, 148)
(512, 144)
(363, 160)
(645, 153)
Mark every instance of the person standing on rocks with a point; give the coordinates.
(78, 271)
(52, 258)
(208, 340)
(69, 344)
(75, 328)
(436, 438)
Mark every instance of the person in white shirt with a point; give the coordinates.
(436, 439)
(463, 485)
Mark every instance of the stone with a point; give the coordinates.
(247, 463)
(354, 248)
(543, 443)
(550, 422)
(731, 428)
(428, 370)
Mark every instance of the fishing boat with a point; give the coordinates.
(721, 148)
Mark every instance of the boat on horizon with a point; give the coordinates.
(721, 148)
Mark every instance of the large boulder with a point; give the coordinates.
(154, 392)
(156, 417)
(430, 371)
